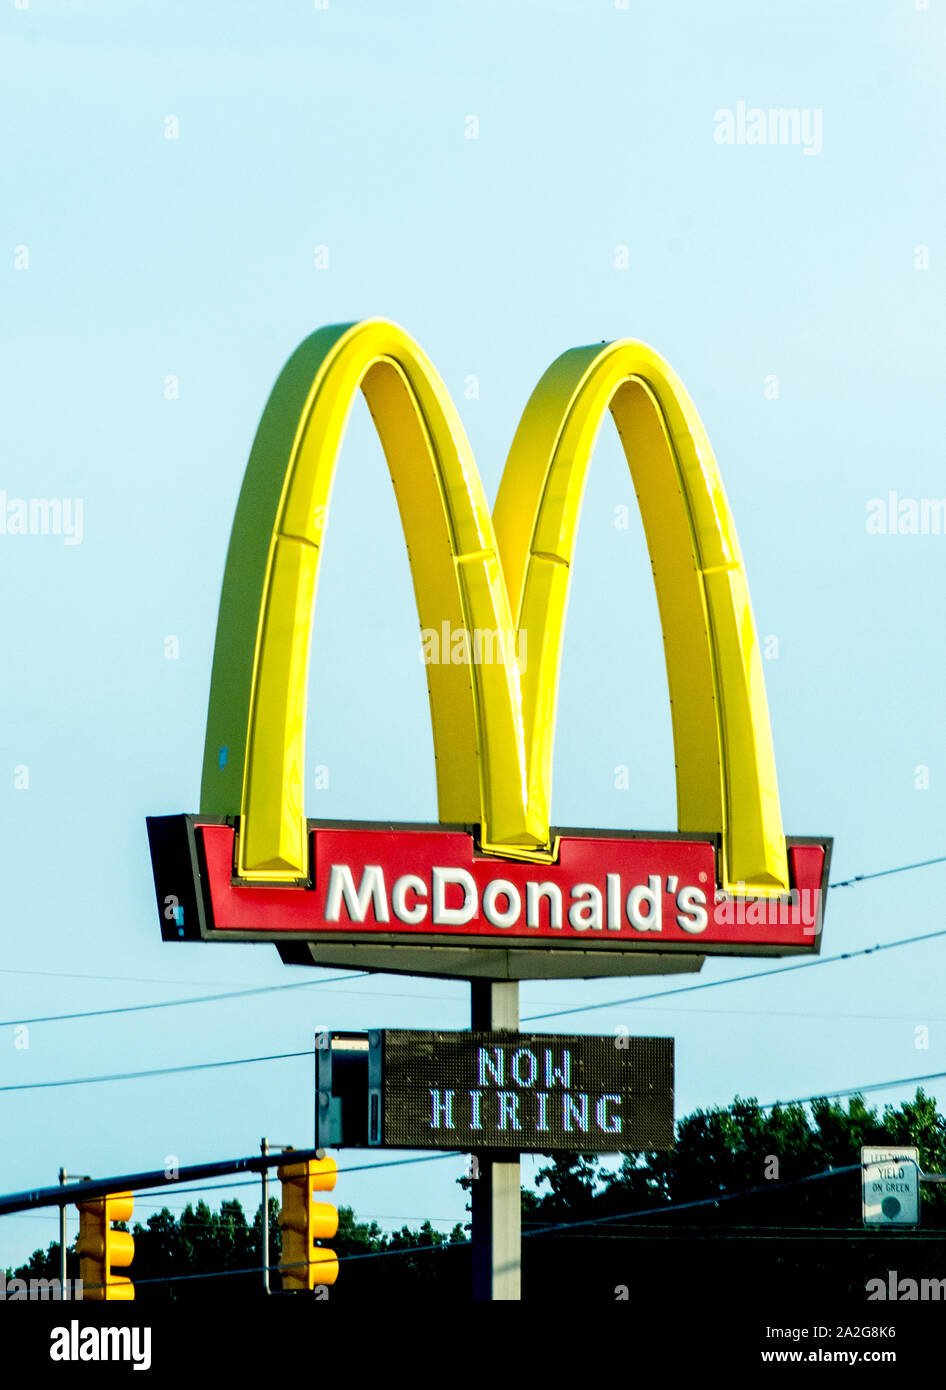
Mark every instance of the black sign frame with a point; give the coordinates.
(494, 1092)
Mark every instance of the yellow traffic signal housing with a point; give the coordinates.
(304, 1221)
(100, 1247)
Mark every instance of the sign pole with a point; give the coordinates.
(62, 1238)
(264, 1174)
(496, 1199)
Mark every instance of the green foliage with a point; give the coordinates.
(201, 1242)
(226, 1252)
(748, 1174)
(754, 1159)
(768, 1153)
(746, 1170)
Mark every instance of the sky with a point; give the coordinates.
(190, 190)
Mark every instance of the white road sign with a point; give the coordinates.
(891, 1189)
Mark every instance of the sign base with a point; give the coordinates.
(486, 962)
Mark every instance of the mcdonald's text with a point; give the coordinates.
(628, 891)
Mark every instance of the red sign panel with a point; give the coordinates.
(427, 883)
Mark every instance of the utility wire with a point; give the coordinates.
(741, 979)
(776, 1232)
(882, 873)
(285, 1056)
(177, 1003)
(559, 1013)
(702, 1201)
(116, 979)
(858, 1090)
(154, 1071)
(361, 975)
(792, 1233)
(611, 1219)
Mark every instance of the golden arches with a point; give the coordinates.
(493, 725)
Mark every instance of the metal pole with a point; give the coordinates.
(495, 1190)
(65, 1177)
(264, 1150)
(62, 1238)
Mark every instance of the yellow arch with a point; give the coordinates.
(493, 726)
(725, 764)
(258, 684)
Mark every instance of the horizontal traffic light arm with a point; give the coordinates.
(102, 1187)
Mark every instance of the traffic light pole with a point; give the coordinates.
(495, 1188)
(264, 1174)
(264, 1148)
(65, 1177)
(62, 1238)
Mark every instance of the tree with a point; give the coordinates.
(755, 1175)
(721, 1204)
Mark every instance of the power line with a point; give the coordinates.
(202, 984)
(363, 974)
(197, 984)
(741, 979)
(831, 1172)
(158, 1207)
(178, 1003)
(559, 1013)
(117, 979)
(882, 873)
(644, 1232)
(700, 1201)
(204, 999)
(799, 1233)
(669, 1207)
(738, 1232)
(858, 1090)
(342, 1259)
(800, 1013)
(154, 1071)
(286, 1056)
(19, 1202)
(382, 994)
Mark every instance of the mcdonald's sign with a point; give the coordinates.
(493, 889)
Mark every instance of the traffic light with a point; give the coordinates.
(305, 1221)
(100, 1247)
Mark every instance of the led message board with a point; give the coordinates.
(525, 1092)
(493, 890)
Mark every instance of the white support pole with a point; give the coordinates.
(495, 1189)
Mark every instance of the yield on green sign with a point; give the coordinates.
(891, 1191)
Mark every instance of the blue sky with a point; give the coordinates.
(346, 128)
